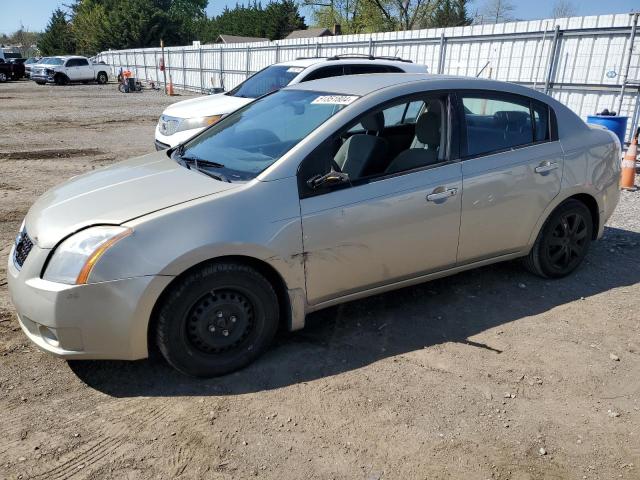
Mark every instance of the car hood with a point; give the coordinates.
(219, 104)
(115, 195)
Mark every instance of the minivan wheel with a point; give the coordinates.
(217, 319)
(563, 242)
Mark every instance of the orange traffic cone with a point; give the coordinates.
(627, 180)
(170, 87)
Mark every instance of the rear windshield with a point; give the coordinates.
(265, 81)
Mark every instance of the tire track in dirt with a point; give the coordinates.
(98, 452)
(74, 465)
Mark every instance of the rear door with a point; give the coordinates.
(512, 167)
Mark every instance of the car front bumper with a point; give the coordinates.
(41, 78)
(175, 139)
(107, 320)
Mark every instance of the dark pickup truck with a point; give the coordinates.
(11, 70)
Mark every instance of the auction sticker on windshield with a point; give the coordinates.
(335, 100)
(295, 69)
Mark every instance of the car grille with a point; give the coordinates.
(22, 248)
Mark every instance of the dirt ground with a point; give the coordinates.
(490, 374)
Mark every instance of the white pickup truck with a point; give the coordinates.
(63, 70)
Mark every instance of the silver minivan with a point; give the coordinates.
(317, 194)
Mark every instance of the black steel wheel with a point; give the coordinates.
(563, 242)
(216, 319)
(220, 321)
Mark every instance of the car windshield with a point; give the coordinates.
(248, 141)
(54, 61)
(266, 81)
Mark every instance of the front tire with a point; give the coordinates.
(217, 319)
(102, 78)
(563, 241)
(61, 79)
(3, 77)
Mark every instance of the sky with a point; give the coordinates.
(34, 14)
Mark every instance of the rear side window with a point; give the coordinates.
(494, 124)
(541, 122)
(363, 69)
(325, 72)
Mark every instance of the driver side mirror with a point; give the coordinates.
(328, 180)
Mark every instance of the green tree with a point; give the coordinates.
(282, 18)
(451, 13)
(58, 37)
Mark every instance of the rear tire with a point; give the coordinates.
(3, 77)
(563, 241)
(217, 319)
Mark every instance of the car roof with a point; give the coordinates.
(367, 84)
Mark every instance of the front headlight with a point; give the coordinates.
(74, 258)
(198, 122)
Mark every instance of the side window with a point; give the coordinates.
(367, 149)
(363, 69)
(325, 72)
(81, 62)
(71, 63)
(403, 114)
(541, 122)
(494, 123)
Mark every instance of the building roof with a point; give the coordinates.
(310, 33)
(239, 39)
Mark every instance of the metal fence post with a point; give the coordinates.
(318, 50)
(370, 46)
(551, 60)
(248, 61)
(200, 62)
(625, 77)
(221, 78)
(443, 53)
(277, 53)
(184, 71)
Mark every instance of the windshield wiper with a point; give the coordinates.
(199, 162)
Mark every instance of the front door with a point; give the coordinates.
(511, 171)
(397, 222)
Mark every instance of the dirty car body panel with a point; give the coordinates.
(324, 246)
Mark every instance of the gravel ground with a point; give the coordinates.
(490, 374)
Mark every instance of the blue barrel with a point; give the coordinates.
(617, 125)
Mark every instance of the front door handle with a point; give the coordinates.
(546, 167)
(439, 194)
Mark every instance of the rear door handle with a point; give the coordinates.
(546, 167)
(441, 195)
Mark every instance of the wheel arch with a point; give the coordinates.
(264, 268)
(589, 199)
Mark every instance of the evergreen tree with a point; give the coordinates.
(450, 13)
(58, 37)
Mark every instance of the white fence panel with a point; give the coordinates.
(580, 61)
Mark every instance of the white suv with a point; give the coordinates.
(183, 120)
